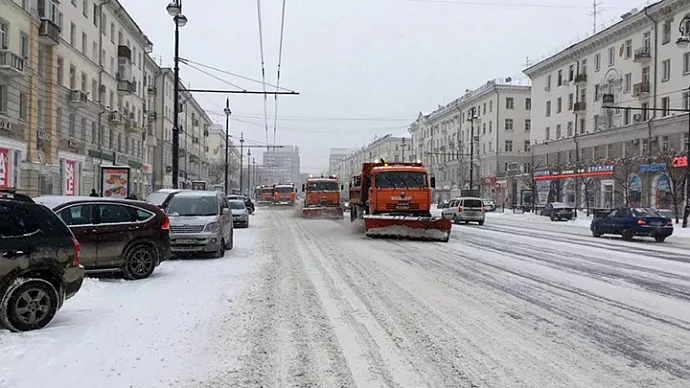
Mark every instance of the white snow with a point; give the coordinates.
(404, 231)
(149, 333)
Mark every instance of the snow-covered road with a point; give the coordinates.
(313, 303)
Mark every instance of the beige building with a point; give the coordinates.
(388, 147)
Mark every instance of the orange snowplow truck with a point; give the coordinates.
(265, 195)
(322, 198)
(284, 194)
(394, 199)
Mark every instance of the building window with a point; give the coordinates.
(483, 128)
(627, 83)
(628, 48)
(509, 124)
(686, 100)
(612, 56)
(596, 122)
(558, 131)
(596, 92)
(3, 98)
(112, 32)
(559, 80)
(666, 32)
(548, 108)
(582, 126)
(665, 70)
(559, 105)
(84, 40)
(4, 30)
(94, 133)
(583, 66)
(645, 111)
(72, 124)
(41, 115)
(94, 48)
(665, 106)
(483, 106)
(96, 17)
(104, 24)
(528, 103)
(491, 126)
(24, 45)
(571, 73)
(83, 128)
(72, 34)
(626, 117)
(528, 125)
(23, 108)
(94, 89)
(686, 63)
(85, 8)
(647, 40)
(548, 82)
(547, 134)
(686, 140)
(41, 63)
(571, 99)
(570, 128)
(509, 146)
(526, 146)
(510, 103)
(597, 61)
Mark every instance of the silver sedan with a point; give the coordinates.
(240, 214)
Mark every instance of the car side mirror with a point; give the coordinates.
(342, 187)
(226, 211)
(432, 182)
(303, 188)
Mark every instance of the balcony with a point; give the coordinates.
(206, 132)
(641, 90)
(130, 125)
(152, 91)
(125, 87)
(78, 99)
(581, 79)
(49, 33)
(643, 54)
(124, 52)
(115, 118)
(151, 116)
(11, 64)
(580, 107)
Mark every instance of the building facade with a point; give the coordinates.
(497, 117)
(334, 157)
(388, 147)
(78, 91)
(606, 103)
(283, 164)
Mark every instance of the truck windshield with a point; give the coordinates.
(322, 186)
(400, 179)
(284, 189)
(267, 191)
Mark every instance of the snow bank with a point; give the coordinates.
(404, 231)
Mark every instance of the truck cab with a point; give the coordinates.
(321, 192)
(284, 194)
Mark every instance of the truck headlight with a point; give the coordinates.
(212, 227)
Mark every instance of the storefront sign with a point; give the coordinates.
(679, 161)
(653, 167)
(600, 168)
(541, 172)
(115, 182)
(581, 173)
(489, 180)
(70, 177)
(4, 167)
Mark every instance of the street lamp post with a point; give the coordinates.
(249, 171)
(683, 42)
(472, 118)
(175, 10)
(241, 159)
(227, 112)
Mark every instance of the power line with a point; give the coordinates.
(215, 77)
(502, 4)
(229, 73)
(280, 60)
(263, 66)
(311, 118)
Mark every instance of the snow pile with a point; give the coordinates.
(407, 232)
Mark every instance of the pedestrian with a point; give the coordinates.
(93, 193)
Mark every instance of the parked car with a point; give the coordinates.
(39, 264)
(489, 205)
(631, 222)
(240, 213)
(200, 222)
(558, 211)
(116, 235)
(442, 204)
(162, 197)
(465, 209)
(247, 201)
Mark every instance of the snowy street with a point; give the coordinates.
(314, 303)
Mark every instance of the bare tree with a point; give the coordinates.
(676, 181)
(621, 175)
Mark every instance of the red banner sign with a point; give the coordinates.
(70, 179)
(4, 167)
(679, 161)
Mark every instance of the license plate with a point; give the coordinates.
(185, 241)
(657, 224)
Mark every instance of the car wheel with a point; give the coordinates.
(29, 304)
(628, 234)
(552, 217)
(139, 262)
(221, 250)
(660, 238)
(596, 232)
(455, 219)
(230, 244)
(481, 222)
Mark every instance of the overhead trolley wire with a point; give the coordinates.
(263, 68)
(280, 61)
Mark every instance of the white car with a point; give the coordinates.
(465, 209)
(240, 214)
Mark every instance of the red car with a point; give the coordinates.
(115, 235)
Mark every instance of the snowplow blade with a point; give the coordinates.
(411, 228)
(323, 212)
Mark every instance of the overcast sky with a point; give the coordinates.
(362, 67)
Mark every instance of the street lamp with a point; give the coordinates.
(175, 10)
(682, 43)
(472, 118)
(249, 171)
(227, 112)
(241, 160)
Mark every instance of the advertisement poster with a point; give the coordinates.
(543, 188)
(4, 167)
(198, 185)
(70, 179)
(115, 182)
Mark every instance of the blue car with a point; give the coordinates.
(630, 222)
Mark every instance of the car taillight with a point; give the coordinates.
(77, 249)
(669, 223)
(166, 222)
(483, 208)
(460, 208)
(640, 222)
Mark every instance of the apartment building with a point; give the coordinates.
(334, 157)
(283, 164)
(389, 147)
(216, 158)
(194, 131)
(497, 117)
(78, 90)
(602, 124)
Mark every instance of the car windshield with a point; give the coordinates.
(473, 203)
(400, 179)
(560, 205)
(238, 205)
(284, 189)
(645, 212)
(322, 186)
(157, 198)
(193, 206)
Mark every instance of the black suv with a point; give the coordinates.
(39, 263)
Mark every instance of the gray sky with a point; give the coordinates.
(363, 67)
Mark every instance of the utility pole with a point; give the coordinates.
(241, 158)
(249, 171)
(227, 112)
(403, 149)
(472, 118)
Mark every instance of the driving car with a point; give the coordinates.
(465, 209)
(630, 222)
(558, 211)
(240, 213)
(200, 222)
(116, 235)
(247, 201)
(39, 263)
(162, 197)
(489, 204)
